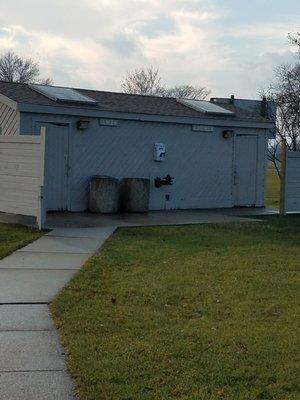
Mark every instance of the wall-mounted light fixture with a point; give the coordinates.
(82, 125)
(227, 134)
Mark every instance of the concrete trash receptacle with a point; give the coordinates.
(104, 194)
(134, 194)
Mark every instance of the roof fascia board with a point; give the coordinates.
(9, 102)
(82, 112)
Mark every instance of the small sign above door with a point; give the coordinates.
(202, 128)
(108, 122)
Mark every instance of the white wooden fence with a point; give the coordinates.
(290, 181)
(22, 165)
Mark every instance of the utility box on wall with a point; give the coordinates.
(159, 152)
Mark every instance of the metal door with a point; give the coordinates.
(245, 171)
(56, 166)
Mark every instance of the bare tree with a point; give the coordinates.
(188, 92)
(285, 92)
(143, 81)
(295, 39)
(23, 70)
(273, 155)
(147, 81)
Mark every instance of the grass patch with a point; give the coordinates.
(13, 237)
(196, 312)
(273, 188)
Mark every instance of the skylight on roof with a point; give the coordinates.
(205, 107)
(61, 94)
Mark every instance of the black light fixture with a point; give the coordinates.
(166, 180)
(227, 134)
(82, 125)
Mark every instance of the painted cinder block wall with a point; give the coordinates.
(201, 163)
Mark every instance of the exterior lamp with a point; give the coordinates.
(82, 125)
(227, 134)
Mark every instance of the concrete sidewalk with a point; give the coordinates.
(168, 217)
(154, 218)
(32, 360)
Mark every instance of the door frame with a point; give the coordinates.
(234, 166)
(68, 167)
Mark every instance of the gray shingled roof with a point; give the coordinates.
(121, 102)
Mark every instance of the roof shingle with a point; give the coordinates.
(121, 102)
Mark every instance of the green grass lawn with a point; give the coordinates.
(196, 312)
(13, 237)
(273, 188)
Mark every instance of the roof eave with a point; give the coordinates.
(96, 113)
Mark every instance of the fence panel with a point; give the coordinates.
(22, 165)
(292, 182)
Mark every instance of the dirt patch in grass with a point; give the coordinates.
(196, 312)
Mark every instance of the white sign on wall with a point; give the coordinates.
(159, 153)
(202, 128)
(108, 122)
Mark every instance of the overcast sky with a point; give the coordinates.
(230, 46)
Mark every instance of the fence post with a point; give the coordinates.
(41, 218)
(282, 209)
